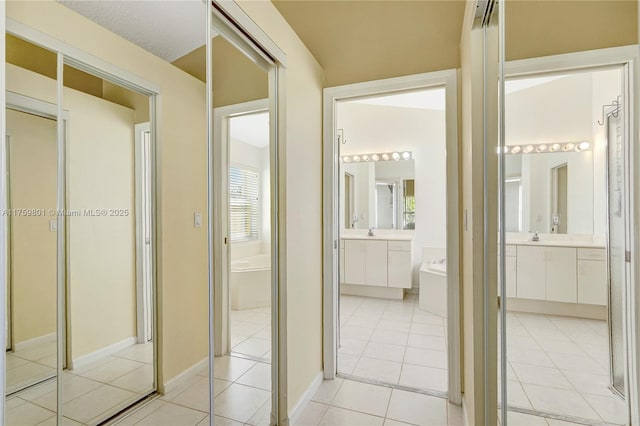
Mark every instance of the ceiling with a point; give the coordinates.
(366, 40)
(168, 29)
(252, 129)
(422, 99)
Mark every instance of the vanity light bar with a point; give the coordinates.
(386, 156)
(540, 148)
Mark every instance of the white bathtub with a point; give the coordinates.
(250, 282)
(433, 287)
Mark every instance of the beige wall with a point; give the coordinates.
(32, 180)
(99, 175)
(303, 215)
(101, 250)
(540, 28)
(183, 309)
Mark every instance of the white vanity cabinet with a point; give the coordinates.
(379, 263)
(558, 274)
(531, 279)
(511, 270)
(547, 273)
(592, 273)
(399, 264)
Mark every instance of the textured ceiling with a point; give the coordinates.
(365, 40)
(168, 29)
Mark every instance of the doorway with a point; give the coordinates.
(377, 328)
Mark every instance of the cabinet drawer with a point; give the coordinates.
(399, 245)
(510, 251)
(592, 254)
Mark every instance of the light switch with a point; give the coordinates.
(197, 220)
(53, 225)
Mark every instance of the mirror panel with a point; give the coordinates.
(109, 316)
(240, 101)
(550, 193)
(31, 164)
(378, 194)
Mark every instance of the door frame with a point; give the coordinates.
(221, 141)
(628, 58)
(40, 108)
(141, 223)
(446, 79)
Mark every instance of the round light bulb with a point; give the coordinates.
(542, 148)
(555, 147)
(516, 149)
(395, 156)
(528, 149)
(346, 159)
(385, 157)
(356, 158)
(582, 146)
(568, 147)
(375, 157)
(365, 157)
(406, 155)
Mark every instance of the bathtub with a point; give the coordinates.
(433, 287)
(250, 282)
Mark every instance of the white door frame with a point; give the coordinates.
(448, 80)
(143, 222)
(222, 151)
(627, 57)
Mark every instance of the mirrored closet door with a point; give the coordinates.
(31, 164)
(80, 161)
(108, 317)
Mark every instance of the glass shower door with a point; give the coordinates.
(617, 252)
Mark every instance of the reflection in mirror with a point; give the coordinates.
(31, 201)
(379, 195)
(550, 193)
(559, 267)
(109, 318)
(241, 89)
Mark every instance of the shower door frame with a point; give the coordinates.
(628, 59)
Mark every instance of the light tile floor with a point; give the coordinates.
(91, 393)
(31, 365)
(561, 365)
(242, 396)
(393, 342)
(251, 333)
(343, 402)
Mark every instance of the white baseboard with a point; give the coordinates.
(101, 353)
(296, 411)
(175, 382)
(35, 342)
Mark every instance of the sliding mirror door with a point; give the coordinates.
(242, 136)
(30, 160)
(109, 315)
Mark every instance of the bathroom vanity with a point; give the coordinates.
(557, 277)
(376, 266)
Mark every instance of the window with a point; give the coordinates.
(243, 203)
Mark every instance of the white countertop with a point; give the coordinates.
(388, 237)
(557, 243)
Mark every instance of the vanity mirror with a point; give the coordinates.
(551, 193)
(378, 194)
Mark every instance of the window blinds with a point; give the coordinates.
(243, 203)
